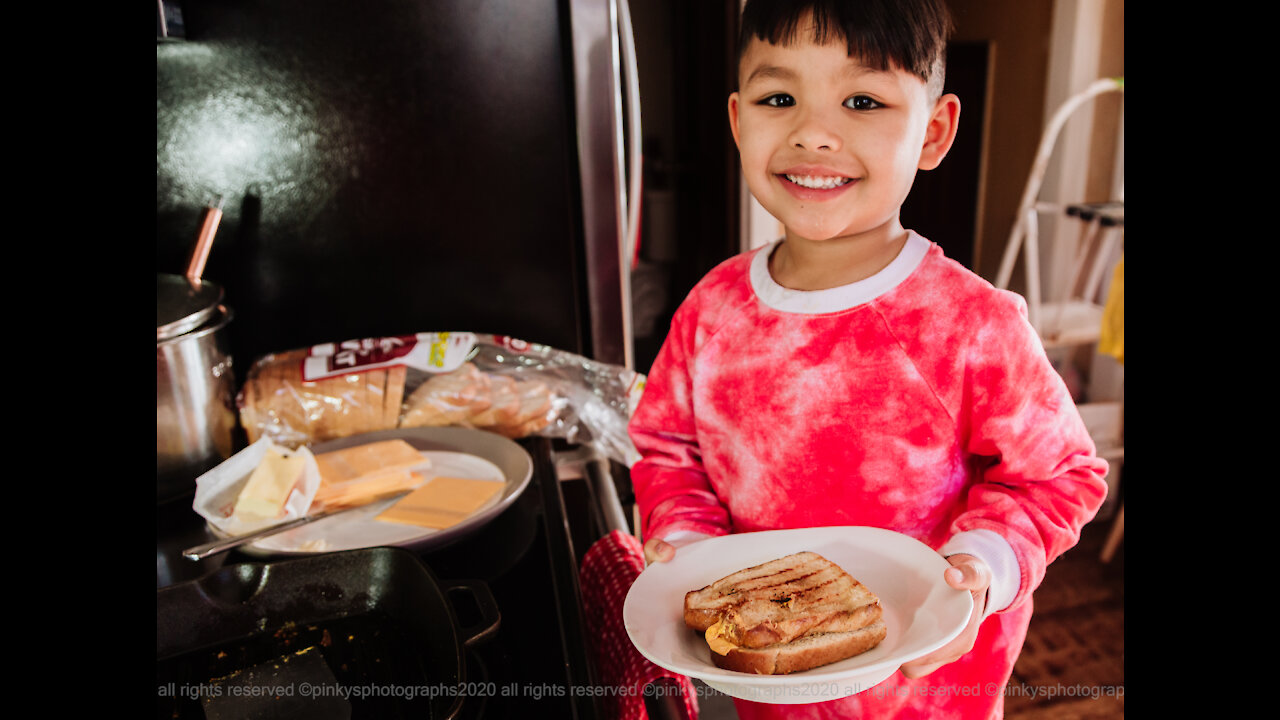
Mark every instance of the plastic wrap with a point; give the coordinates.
(489, 382)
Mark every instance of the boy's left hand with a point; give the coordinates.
(966, 573)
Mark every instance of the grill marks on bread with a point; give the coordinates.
(799, 586)
(782, 600)
(787, 615)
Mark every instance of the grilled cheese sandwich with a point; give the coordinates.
(786, 615)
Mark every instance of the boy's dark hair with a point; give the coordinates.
(909, 34)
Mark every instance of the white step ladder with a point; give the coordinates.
(1075, 316)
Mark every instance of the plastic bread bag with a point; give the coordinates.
(591, 402)
(488, 382)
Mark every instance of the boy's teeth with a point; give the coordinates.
(816, 182)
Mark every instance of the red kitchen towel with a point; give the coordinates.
(608, 569)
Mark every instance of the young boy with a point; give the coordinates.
(849, 373)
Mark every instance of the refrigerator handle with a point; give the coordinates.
(596, 27)
(632, 192)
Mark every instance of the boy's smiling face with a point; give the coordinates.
(830, 146)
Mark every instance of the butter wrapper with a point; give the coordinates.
(218, 489)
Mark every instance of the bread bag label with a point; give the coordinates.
(435, 352)
(634, 390)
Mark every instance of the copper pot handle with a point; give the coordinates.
(195, 268)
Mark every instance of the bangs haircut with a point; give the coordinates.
(883, 34)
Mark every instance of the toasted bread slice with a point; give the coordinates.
(783, 600)
(801, 654)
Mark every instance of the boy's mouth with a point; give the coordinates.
(818, 182)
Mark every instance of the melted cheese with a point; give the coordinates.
(716, 637)
(264, 496)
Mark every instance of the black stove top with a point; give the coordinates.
(539, 661)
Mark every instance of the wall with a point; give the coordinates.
(1108, 127)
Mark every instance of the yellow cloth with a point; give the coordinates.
(1112, 340)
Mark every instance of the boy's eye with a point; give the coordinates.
(861, 102)
(779, 100)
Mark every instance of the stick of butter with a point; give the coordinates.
(264, 496)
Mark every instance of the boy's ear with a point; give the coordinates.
(733, 117)
(941, 131)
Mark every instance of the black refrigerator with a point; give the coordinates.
(388, 167)
(399, 166)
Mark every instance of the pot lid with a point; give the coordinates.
(181, 306)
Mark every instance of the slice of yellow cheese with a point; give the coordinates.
(442, 502)
(333, 496)
(339, 466)
(270, 483)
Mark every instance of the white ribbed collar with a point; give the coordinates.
(837, 298)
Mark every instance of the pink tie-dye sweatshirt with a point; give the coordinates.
(918, 400)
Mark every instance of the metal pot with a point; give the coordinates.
(195, 385)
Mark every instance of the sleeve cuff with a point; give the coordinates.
(995, 551)
(680, 538)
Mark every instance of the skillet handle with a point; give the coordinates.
(486, 627)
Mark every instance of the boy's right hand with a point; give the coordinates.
(658, 550)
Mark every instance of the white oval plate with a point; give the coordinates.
(921, 612)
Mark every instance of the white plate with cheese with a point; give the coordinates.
(922, 613)
(451, 452)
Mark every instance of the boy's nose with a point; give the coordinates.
(815, 130)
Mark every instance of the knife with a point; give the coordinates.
(200, 552)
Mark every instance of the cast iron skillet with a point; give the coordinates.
(365, 633)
